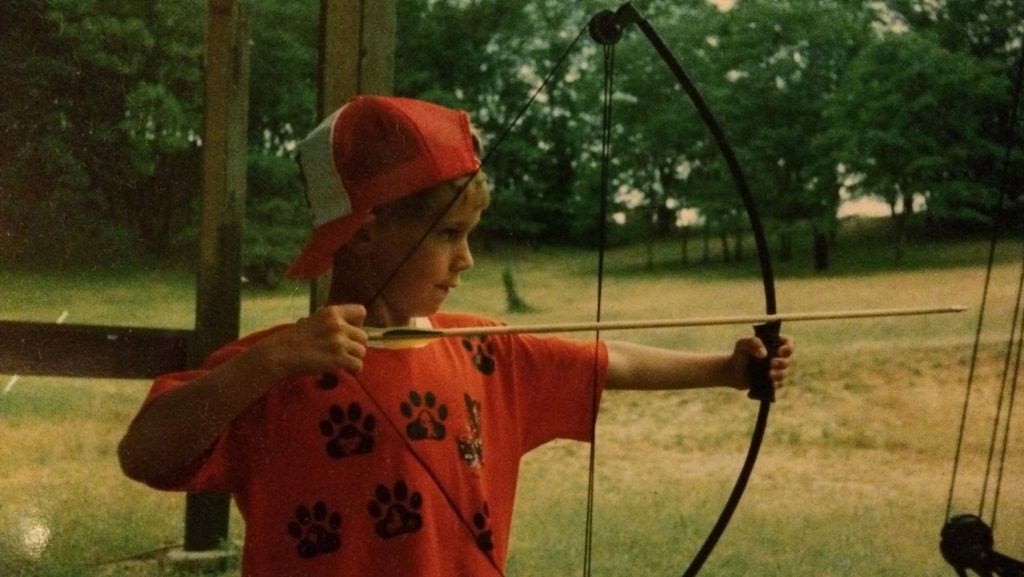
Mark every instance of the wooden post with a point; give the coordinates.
(218, 302)
(357, 56)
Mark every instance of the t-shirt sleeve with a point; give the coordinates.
(217, 469)
(207, 473)
(558, 387)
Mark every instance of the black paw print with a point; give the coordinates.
(425, 423)
(482, 528)
(483, 353)
(396, 510)
(327, 381)
(349, 432)
(317, 531)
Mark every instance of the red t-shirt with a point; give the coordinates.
(408, 469)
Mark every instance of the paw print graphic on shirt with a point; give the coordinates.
(316, 531)
(426, 417)
(482, 353)
(327, 382)
(396, 510)
(348, 431)
(482, 529)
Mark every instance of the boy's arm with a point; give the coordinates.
(639, 367)
(179, 426)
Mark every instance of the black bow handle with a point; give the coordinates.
(758, 373)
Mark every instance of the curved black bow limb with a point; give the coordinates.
(607, 27)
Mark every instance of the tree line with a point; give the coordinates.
(904, 101)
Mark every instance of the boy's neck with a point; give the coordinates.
(378, 313)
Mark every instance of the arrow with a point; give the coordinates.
(404, 337)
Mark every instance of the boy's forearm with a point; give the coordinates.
(179, 426)
(639, 367)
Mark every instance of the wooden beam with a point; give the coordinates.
(225, 156)
(73, 350)
(357, 56)
(357, 50)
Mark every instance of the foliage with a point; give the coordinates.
(781, 64)
(276, 221)
(922, 131)
(102, 107)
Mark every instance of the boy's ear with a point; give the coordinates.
(365, 237)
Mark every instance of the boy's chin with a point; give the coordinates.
(426, 311)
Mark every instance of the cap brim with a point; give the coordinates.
(318, 255)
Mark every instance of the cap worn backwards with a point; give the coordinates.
(374, 150)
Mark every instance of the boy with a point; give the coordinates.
(350, 459)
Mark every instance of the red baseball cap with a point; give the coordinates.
(373, 150)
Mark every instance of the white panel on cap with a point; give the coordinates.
(328, 199)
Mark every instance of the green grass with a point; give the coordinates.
(852, 480)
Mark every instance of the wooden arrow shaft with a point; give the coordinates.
(408, 335)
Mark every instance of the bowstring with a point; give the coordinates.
(602, 233)
(1004, 186)
(483, 162)
(1014, 381)
(412, 251)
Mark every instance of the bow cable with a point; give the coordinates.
(467, 521)
(1004, 186)
(600, 26)
(966, 542)
(483, 162)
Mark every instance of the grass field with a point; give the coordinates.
(852, 480)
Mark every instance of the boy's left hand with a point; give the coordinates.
(750, 348)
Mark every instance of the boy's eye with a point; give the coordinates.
(449, 234)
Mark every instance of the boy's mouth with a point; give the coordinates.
(447, 286)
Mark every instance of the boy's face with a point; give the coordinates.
(423, 282)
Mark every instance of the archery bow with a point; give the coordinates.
(607, 28)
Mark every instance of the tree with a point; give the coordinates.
(991, 31)
(780, 65)
(487, 58)
(981, 28)
(911, 118)
(100, 107)
(660, 140)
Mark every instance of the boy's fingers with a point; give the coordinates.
(754, 347)
(353, 314)
(355, 349)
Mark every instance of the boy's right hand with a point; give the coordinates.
(329, 340)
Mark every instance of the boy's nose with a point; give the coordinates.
(463, 258)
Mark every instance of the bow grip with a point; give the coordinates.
(761, 388)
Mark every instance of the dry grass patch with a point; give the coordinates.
(852, 480)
